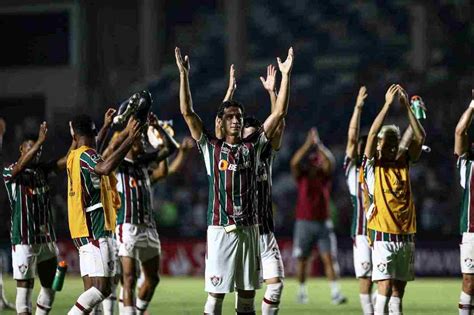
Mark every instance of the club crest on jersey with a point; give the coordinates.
(245, 151)
(23, 268)
(382, 267)
(111, 264)
(468, 262)
(216, 280)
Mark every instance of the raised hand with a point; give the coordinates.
(3, 127)
(109, 116)
(285, 67)
(134, 129)
(269, 82)
(312, 137)
(183, 65)
(391, 93)
(232, 81)
(42, 133)
(403, 96)
(361, 97)
(187, 144)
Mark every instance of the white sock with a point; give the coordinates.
(87, 301)
(381, 305)
(335, 289)
(303, 290)
(395, 306)
(213, 305)
(120, 301)
(271, 299)
(23, 300)
(465, 302)
(45, 301)
(128, 310)
(245, 305)
(366, 304)
(141, 306)
(109, 303)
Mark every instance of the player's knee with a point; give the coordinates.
(23, 300)
(273, 292)
(468, 285)
(129, 279)
(246, 294)
(153, 280)
(245, 302)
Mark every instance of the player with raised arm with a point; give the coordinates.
(352, 163)
(391, 217)
(233, 255)
(34, 251)
(312, 167)
(136, 233)
(463, 150)
(92, 205)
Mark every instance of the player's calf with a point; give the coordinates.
(45, 301)
(245, 302)
(23, 297)
(466, 299)
(213, 304)
(271, 298)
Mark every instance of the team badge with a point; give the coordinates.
(382, 267)
(245, 151)
(23, 268)
(365, 265)
(216, 280)
(468, 262)
(111, 264)
(129, 247)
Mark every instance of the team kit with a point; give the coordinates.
(111, 172)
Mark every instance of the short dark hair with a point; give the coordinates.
(227, 104)
(29, 137)
(252, 122)
(83, 125)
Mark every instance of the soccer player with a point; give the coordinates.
(352, 163)
(312, 166)
(136, 232)
(92, 207)
(34, 251)
(272, 263)
(233, 256)
(465, 166)
(391, 217)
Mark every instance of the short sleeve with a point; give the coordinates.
(350, 172)
(89, 159)
(464, 166)
(369, 173)
(8, 173)
(204, 147)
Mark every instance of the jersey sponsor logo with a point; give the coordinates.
(224, 165)
(215, 280)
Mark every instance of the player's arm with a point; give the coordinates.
(297, 158)
(281, 105)
(232, 85)
(108, 118)
(61, 163)
(419, 135)
(185, 101)
(26, 158)
(370, 147)
(109, 164)
(328, 162)
(461, 139)
(186, 145)
(159, 172)
(269, 85)
(354, 124)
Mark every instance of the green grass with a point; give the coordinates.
(182, 296)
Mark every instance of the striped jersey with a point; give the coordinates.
(465, 167)
(352, 173)
(264, 191)
(134, 187)
(90, 183)
(28, 193)
(231, 171)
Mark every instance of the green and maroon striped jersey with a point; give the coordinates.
(264, 191)
(28, 193)
(134, 187)
(90, 183)
(231, 170)
(359, 222)
(465, 168)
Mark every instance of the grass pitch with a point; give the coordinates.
(184, 295)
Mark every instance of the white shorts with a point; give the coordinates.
(25, 258)
(362, 257)
(272, 264)
(467, 253)
(117, 265)
(232, 260)
(393, 260)
(96, 259)
(138, 241)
